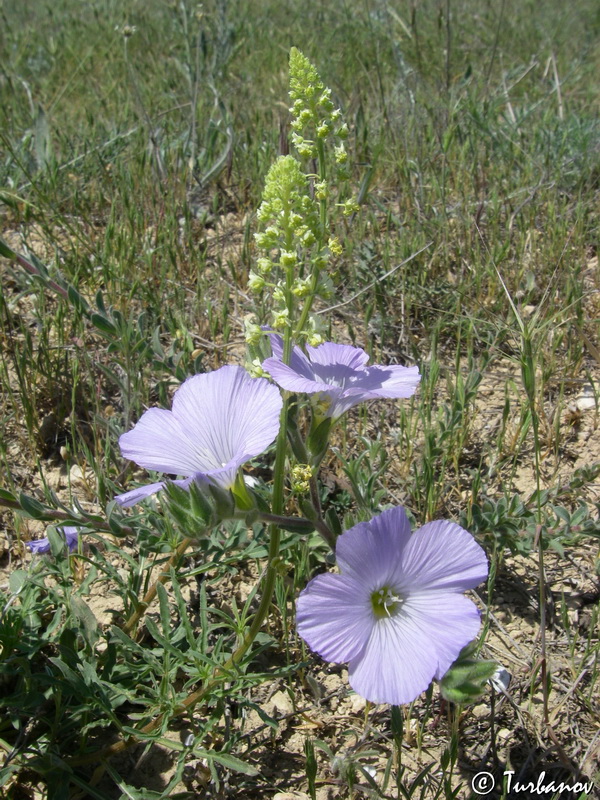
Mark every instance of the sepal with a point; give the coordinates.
(466, 679)
(318, 439)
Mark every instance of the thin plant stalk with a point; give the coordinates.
(134, 618)
(268, 589)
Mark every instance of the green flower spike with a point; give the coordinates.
(314, 115)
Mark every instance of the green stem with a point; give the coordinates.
(52, 515)
(28, 266)
(320, 524)
(133, 620)
(257, 622)
(222, 671)
(322, 177)
(308, 302)
(323, 218)
(288, 523)
(528, 369)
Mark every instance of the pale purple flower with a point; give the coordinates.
(396, 612)
(339, 374)
(70, 533)
(218, 421)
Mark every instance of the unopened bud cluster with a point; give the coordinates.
(301, 475)
(295, 251)
(292, 229)
(314, 116)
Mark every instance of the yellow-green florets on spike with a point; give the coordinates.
(281, 318)
(301, 287)
(288, 208)
(313, 113)
(256, 283)
(335, 247)
(264, 265)
(295, 243)
(253, 332)
(301, 476)
(304, 81)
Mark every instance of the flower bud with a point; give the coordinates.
(307, 150)
(321, 190)
(301, 475)
(264, 265)
(288, 259)
(308, 238)
(342, 131)
(334, 245)
(349, 207)
(253, 332)
(255, 369)
(341, 156)
(256, 283)
(301, 287)
(279, 295)
(281, 319)
(267, 240)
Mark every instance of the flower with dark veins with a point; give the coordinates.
(219, 420)
(70, 533)
(338, 374)
(396, 612)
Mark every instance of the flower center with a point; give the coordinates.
(322, 404)
(386, 602)
(338, 375)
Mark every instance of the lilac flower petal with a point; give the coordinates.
(329, 354)
(339, 374)
(39, 545)
(402, 597)
(70, 533)
(370, 551)
(451, 621)
(298, 361)
(328, 368)
(218, 421)
(405, 653)
(160, 442)
(333, 616)
(393, 381)
(444, 557)
(276, 344)
(396, 665)
(292, 380)
(343, 402)
(229, 417)
(128, 499)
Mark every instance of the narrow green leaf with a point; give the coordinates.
(85, 616)
(57, 541)
(165, 616)
(103, 324)
(17, 580)
(6, 251)
(32, 507)
(228, 761)
(42, 138)
(77, 300)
